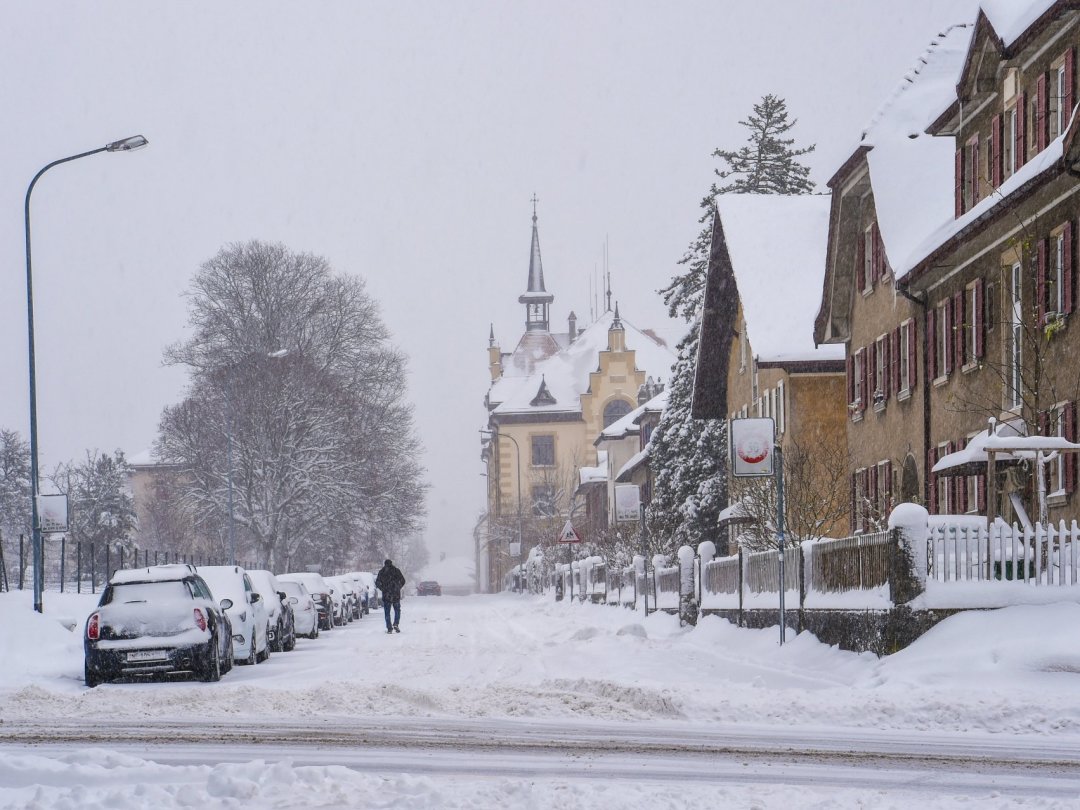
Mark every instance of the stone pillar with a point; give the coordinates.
(909, 527)
(688, 606)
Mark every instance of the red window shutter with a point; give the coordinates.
(1069, 100)
(931, 459)
(1019, 148)
(979, 318)
(888, 485)
(950, 337)
(1067, 269)
(959, 333)
(1040, 281)
(860, 264)
(854, 504)
(898, 384)
(1044, 424)
(980, 489)
(959, 189)
(931, 341)
(867, 359)
(996, 130)
(851, 379)
(1042, 114)
(1070, 458)
(912, 357)
(872, 488)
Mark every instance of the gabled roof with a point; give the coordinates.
(775, 244)
(566, 373)
(628, 425)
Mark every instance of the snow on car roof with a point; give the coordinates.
(155, 573)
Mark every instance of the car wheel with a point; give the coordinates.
(227, 662)
(264, 655)
(290, 644)
(210, 672)
(250, 660)
(91, 676)
(278, 636)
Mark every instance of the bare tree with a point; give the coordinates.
(296, 409)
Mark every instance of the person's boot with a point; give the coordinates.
(389, 630)
(396, 630)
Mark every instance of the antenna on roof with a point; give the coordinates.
(607, 274)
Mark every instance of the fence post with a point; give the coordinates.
(908, 530)
(93, 570)
(108, 562)
(63, 559)
(742, 582)
(78, 566)
(22, 560)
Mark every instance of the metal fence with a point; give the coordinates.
(763, 571)
(722, 576)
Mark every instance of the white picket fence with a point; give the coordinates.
(1041, 555)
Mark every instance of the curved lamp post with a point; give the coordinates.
(125, 145)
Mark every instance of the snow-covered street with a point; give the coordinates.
(521, 701)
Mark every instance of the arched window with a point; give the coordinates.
(615, 410)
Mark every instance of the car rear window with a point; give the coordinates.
(149, 591)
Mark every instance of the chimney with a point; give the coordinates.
(572, 320)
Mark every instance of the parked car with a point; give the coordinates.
(337, 597)
(370, 595)
(249, 614)
(305, 614)
(350, 596)
(320, 592)
(282, 635)
(429, 587)
(160, 619)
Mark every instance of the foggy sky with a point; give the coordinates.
(403, 143)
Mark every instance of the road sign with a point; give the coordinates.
(52, 513)
(569, 534)
(752, 443)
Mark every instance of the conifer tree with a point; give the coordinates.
(688, 455)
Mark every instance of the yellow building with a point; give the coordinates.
(549, 400)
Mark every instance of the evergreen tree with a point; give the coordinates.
(688, 459)
(689, 455)
(102, 509)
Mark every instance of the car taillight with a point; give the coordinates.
(93, 627)
(309, 606)
(200, 619)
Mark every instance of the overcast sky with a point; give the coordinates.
(402, 141)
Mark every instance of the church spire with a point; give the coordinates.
(536, 299)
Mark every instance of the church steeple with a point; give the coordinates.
(536, 299)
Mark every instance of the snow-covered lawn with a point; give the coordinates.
(1012, 675)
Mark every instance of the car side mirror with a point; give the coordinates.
(256, 597)
(226, 604)
(293, 600)
(282, 596)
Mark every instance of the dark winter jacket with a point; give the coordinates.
(390, 581)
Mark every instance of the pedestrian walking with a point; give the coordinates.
(390, 581)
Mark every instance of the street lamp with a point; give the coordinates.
(125, 145)
(274, 355)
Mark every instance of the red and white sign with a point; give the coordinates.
(752, 445)
(569, 534)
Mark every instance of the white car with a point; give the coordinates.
(305, 613)
(340, 599)
(319, 589)
(282, 634)
(370, 594)
(350, 595)
(248, 614)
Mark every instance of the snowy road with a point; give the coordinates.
(515, 701)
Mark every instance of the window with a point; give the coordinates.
(905, 355)
(543, 498)
(942, 344)
(1055, 293)
(755, 391)
(781, 408)
(1015, 380)
(859, 358)
(972, 325)
(944, 491)
(971, 172)
(859, 496)
(1009, 145)
(543, 451)
(989, 303)
(1057, 99)
(615, 410)
(881, 362)
(1055, 484)
(883, 495)
(868, 259)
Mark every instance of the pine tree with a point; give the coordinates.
(689, 455)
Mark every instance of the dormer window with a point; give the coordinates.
(1009, 145)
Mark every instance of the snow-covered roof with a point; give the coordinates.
(624, 426)
(776, 244)
(592, 475)
(911, 171)
(566, 374)
(1011, 18)
(1039, 164)
(155, 573)
(635, 461)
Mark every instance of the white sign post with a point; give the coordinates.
(52, 513)
(753, 448)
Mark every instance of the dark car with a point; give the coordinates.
(429, 588)
(157, 620)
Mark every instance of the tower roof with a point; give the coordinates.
(535, 292)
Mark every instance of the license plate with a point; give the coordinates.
(147, 655)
